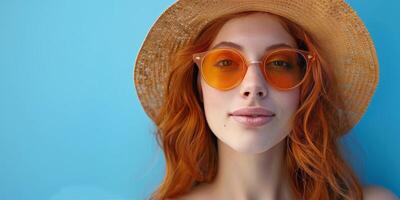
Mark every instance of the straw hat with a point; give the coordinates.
(335, 27)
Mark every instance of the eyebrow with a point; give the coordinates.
(237, 46)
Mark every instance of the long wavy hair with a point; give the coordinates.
(313, 161)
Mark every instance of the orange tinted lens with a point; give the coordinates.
(285, 69)
(223, 68)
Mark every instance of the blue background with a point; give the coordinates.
(71, 125)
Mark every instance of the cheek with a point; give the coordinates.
(292, 99)
(216, 106)
(213, 100)
(288, 104)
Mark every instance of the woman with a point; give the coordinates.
(254, 103)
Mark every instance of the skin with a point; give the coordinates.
(251, 159)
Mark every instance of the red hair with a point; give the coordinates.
(312, 157)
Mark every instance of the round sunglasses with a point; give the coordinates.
(225, 68)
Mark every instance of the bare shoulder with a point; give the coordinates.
(375, 192)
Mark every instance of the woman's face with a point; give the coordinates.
(254, 33)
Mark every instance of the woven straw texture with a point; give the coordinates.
(335, 27)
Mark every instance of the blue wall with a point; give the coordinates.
(71, 125)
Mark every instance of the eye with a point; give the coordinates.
(280, 64)
(224, 63)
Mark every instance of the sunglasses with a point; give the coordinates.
(225, 68)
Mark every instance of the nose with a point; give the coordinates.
(253, 83)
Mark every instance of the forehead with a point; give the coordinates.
(254, 32)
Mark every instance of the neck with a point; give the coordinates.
(251, 176)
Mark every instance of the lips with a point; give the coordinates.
(253, 112)
(252, 121)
